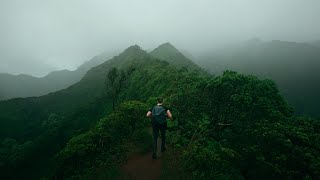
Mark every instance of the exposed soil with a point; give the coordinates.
(142, 166)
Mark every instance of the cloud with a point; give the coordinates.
(64, 34)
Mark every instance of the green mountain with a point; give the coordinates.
(294, 66)
(169, 53)
(66, 112)
(231, 126)
(13, 86)
(89, 88)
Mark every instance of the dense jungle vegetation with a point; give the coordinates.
(228, 126)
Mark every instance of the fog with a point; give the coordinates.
(39, 36)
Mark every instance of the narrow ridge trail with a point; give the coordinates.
(142, 166)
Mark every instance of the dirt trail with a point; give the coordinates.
(142, 166)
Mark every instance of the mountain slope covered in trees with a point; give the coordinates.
(231, 126)
(294, 67)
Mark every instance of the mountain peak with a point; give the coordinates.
(133, 48)
(167, 44)
(169, 53)
(133, 51)
(168, 47)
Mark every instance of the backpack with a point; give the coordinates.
(159, 114)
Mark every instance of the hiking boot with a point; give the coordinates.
(154, 156)
(164, 149)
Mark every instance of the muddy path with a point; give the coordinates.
(142, 166)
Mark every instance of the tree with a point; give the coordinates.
(117, 79)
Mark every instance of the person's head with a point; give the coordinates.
(160, 100)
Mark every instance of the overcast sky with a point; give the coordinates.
(38, 36)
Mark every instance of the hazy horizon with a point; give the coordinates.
(38, 36)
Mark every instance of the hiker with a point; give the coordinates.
(159, 114)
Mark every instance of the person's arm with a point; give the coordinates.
(169, 114)
(149, 114)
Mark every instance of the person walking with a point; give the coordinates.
(159, 115)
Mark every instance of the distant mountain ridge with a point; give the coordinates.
(14, 86)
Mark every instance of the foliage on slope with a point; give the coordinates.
(92, 145)
(244, 130)
(103, 148)
(230, 126)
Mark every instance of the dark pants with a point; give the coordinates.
(156, 127)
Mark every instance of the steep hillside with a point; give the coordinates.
(13, 86)
(294, 66)
(58, 116)
(91, 87)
